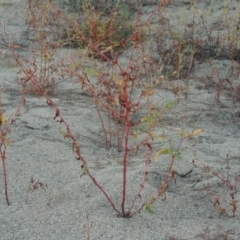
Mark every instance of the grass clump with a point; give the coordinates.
(106, 29)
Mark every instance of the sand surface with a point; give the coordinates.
(68, 205)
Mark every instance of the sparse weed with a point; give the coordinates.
(88, 226)
(196, 42)
(42, 21)
(35, 185)
(5, 126)
(227, 204)
(106, 32)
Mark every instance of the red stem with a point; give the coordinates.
(126, 151)
(3, 157)
(76, 147)
(161, 189)
(4, 132)
(109, 132)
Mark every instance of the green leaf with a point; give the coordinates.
(154, 135)
(85, 170)
(162, 151)
(146, 119)
(135, 136)
(149, 208)
(175, 152)
(135, 133)
(178, 156)
(63, 132)
(90, 72)
(170, 105)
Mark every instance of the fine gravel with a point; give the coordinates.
(51, 199)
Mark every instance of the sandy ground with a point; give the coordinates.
(69, 206)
